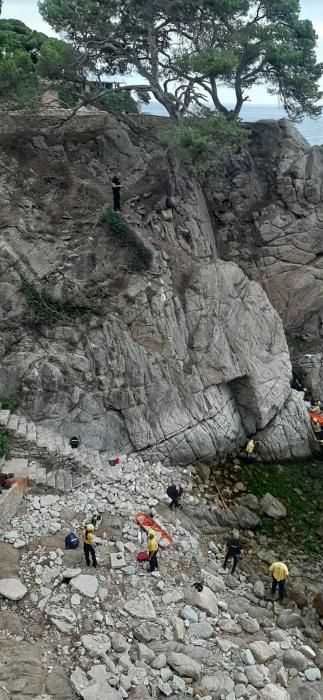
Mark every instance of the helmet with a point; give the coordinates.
(90, 527)
(151, 533)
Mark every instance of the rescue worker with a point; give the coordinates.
(152, 546)
(250, 448)
(89, 545)
(280, 575)
(174, 494)
(234, 549)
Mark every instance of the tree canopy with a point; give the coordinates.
(27, 55)
(185, 49)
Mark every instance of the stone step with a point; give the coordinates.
(68, 482)
(4, 418)
(41, 475)
(22, 427)
(51, 479)
(13, 422)
(59, 479)
(31, 431)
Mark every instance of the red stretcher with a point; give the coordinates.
(147, 523)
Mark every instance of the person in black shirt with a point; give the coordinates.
(116, 187)
(175, 494)
(234, 549)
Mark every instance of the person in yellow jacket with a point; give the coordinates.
(280, 575)
(152, 546)
(89, 545)
(250, 448)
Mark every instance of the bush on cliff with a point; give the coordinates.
(4, 443)
(139, 257)
(48, 311)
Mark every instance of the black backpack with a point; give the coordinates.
(71, 541)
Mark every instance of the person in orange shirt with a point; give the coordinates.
(280, 575)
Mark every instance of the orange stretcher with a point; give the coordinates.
(312, 415)
(147, 523)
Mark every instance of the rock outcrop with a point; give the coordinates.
(183, 359)
(268, 217)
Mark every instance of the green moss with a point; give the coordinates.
(139, 258)
(299, 485)
(4, 442)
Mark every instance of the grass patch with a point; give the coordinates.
(139, 257)
(4, 442)
(49, 311)
(299, 485)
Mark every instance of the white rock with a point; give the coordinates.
(313, 674)
(71, 573)
(86, 585)
(100, 691)
(205, 600)
(141, 607)
(271, 506)
(172, 597)
(96, 643)
(117, 560)
(48, 500)
(215, 583)
(274, 692)
(183, 665)
(12, 588)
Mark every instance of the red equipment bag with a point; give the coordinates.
(142, 556)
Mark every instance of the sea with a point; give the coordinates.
(311, 129)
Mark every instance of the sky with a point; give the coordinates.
(27, 11)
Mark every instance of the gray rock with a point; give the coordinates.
(206, 600)
(247, 657)
(188, 613)
(246, 519)
(99, 691)
(248, 624)
(259, 589)
(313, 674)
(273, 692)
(159, 661)
(304, 692)
(172, 597)
(164, 688)
(12, 589)
(271, 506)
(96, 644)
(262, 652)
(295, 659)
(141, 607)
(257, 675)
(119, 642)
(219, 683)
(201, 629)
(183, 665)
(215, 583)
(86, 585)
(179, 628)
(288, 619)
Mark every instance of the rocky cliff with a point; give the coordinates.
(180, 353)
(267, 215)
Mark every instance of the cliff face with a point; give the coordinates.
(268, 217)
(184, 359)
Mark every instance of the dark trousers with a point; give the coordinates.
(249, 458)
(88, 549)
(153, 562)
(235, 557)
(116, 200)
(175, 502)
(281, 589)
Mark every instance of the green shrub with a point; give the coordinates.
(139, 257)
(49, 311)
(9, 403)
(4, 442)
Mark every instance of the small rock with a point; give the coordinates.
(183, 665)
(12, 588)
(262, 652)
(271, 506)
(295, 659)
(313, 674)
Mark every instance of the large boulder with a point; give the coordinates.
(205, 600)
(271, 506)
(183, 665)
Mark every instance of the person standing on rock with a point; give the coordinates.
(280, 575)
(234, 550)
(89, 545)
(116, 187)
(152, 546)
(174, 494)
